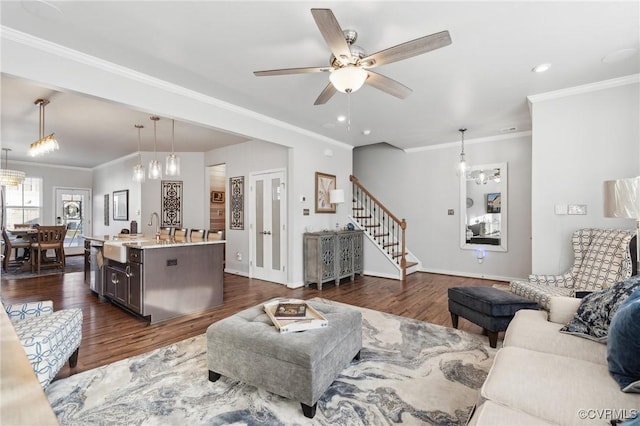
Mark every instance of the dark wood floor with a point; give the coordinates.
(110, 334)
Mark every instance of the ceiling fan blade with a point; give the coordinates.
(387, 85)
(409, 49)
(286, 71)
(326, 94)
(332, 33)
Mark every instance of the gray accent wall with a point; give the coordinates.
(421, 186)
(581, 138)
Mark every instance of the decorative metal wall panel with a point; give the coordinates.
(171, 213)
(236, 186)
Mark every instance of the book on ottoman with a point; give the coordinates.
(287, 324)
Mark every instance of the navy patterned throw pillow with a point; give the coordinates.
(623, 345)
(596, 310)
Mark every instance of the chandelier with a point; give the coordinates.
(481, 177)
(10, 177)
(44, 144)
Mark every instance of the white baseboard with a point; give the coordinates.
(382, 275)
(236, 272)
(467, 274)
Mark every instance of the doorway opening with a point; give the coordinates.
(217, 213)
(73, 210)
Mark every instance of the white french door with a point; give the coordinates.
(268, 226)
(73, 209)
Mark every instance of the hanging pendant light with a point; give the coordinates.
(138, 169)
(462, 165)
(172, 163)
(10, 177)
(44, 144)
(155, 170)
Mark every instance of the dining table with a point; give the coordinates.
(28, 234)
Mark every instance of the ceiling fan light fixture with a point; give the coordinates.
(348, 79)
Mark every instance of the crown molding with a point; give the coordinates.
(456, 144)
(49, 47)
(585, 88)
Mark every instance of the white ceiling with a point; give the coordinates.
(480, 81)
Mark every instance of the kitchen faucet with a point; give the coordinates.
(157, 225)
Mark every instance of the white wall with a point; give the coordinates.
(422, 185)
(145, 198)
(54, 176)
(581, 137)
(301, 160)
(241, 160)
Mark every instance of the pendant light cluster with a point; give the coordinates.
(462, 166)
(138, 169)
(172, 163)
(155, 171)
(44, 144)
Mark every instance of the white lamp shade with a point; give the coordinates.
(336, 196)
(348, 79)
(622, 198)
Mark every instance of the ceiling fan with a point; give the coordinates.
(349, 64)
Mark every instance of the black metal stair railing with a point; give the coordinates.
(385, 228)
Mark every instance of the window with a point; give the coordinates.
(24, 202)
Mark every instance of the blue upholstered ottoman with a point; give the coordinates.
(488, 307)
(300, 366)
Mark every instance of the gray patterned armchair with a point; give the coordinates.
(49, 338)
(602, 257)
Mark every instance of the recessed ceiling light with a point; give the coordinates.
(619, 55)
(342, 118)
(541, 68)
(366, 132)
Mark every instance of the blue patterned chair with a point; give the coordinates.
(602, 257)
(48, 338)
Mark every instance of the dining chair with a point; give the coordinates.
(197, 234)
(166, 233)
(215, 235)
(9, 245)
(180, 234)
(49, 238)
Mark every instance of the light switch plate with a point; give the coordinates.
(561, 209)
(577, 209)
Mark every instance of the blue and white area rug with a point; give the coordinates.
(410, 372)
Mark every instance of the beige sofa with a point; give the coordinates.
(543, 377)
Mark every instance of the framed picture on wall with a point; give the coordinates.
(494, 202)
(121, 205)
(217, 197)
(324, 185)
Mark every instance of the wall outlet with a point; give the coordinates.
(450, 212)
(239, 257)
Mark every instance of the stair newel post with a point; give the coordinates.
(403, 259)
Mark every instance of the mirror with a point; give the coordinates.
(483, 208)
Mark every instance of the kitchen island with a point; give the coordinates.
(165, 279)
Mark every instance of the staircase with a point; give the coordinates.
(382, 228)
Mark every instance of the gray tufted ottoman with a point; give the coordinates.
(488, 307)
(300, 366)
